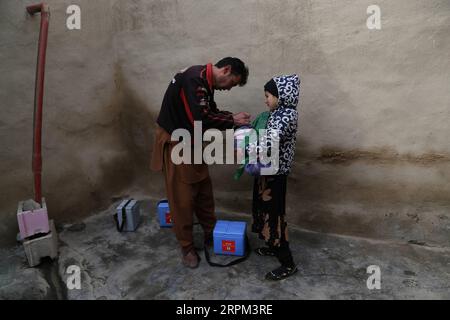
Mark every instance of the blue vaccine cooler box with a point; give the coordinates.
(165, 218)
(229, 238)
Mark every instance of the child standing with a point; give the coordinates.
(269, 191)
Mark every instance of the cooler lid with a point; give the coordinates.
(230, 227)
(131, 205)
(163, 204)
(122, 204)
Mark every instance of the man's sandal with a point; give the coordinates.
(281, 273)
(264, 251)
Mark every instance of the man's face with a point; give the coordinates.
(226, 80)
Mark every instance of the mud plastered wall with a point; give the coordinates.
(372, 155)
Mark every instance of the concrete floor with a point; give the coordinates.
(146, 265)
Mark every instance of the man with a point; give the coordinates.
(189, 98)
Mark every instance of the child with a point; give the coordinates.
(269, 191)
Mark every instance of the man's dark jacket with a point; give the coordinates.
(189, 98)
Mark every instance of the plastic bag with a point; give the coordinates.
(254, 169)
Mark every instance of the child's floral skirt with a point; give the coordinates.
(269, 207)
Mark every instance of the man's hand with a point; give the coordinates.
(241, 119)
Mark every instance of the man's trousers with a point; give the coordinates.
(189, 191)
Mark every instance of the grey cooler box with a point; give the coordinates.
(127, 215)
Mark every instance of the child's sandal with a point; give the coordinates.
(264, 251)
(281, 273)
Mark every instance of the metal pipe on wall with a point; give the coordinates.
(39, 96)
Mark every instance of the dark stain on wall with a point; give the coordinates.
(75, 196)
(379, 155)
(136, 124)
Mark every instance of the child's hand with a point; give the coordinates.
(241, 118)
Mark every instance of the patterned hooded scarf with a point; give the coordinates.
(282, 122)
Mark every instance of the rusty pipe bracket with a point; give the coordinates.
(41, 7)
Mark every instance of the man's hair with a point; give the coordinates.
(238, 68)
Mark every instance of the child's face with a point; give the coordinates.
(271, 100)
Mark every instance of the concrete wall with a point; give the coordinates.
(372, 157)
